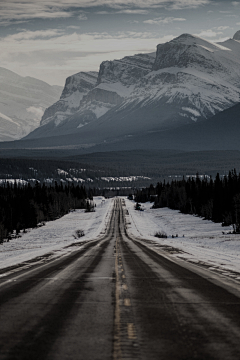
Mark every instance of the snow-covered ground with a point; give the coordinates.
(199, 241)
(55, 236)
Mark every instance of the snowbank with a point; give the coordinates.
(56, 235)
(198, 241)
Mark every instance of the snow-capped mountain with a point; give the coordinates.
(22, 103)
(94, 94)
(187, 80)
(191, 80)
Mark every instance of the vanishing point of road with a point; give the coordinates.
(115, 298)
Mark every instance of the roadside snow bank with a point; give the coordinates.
(198, 241)
(56, 235)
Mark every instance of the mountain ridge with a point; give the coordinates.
(188, 80)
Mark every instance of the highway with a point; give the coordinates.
(115, 298)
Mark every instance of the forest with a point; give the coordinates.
(71, 171)
(23, 207)
(217, 200)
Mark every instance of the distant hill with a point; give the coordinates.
(22, 103)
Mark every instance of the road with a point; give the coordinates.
(115, 298)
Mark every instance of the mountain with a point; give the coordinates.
(186, 81)
(22, 103)
(93, 94)
(76, 87)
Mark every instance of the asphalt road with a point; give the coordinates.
(117, 299)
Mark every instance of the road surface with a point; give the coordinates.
(117, 299)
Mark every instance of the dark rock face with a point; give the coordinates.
(82, 82)
(185, 51)
(127, 70)
(59, 106)
(103, 96)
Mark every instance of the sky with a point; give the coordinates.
(53, 39)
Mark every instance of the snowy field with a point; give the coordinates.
(55, 236)
(199, 241)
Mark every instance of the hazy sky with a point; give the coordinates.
(52, 39)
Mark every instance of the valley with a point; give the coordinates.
(117, 169)
(120, 180)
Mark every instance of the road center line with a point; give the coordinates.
(131, 331)
(117, 341)
(127, 302)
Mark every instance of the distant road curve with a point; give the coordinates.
(115, 298)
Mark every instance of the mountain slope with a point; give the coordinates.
(221, 132)
(22, 102)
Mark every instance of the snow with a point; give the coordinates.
(206, 92)
(192, 111)
(78, 180)
(124, 178)
(99, 110)
(206, 48)
(199, 241)
(207, 85)
(190, 40)
(189, 72)
(62, 172)
(13, 181)
(220, 47)
(56, 236)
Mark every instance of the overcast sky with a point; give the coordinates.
(52, 39)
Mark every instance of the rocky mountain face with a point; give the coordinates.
(95, 95)
(187, 80)
(76, 87)
(22, 103)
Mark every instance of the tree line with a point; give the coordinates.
(217, 200)
(23, 207)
